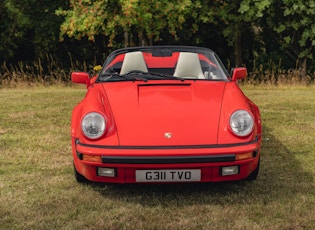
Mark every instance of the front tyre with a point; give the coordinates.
(78, 176)
(254, 174)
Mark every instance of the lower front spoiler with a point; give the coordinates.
(209, 162)
(127, 173)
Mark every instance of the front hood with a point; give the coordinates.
(166, 113)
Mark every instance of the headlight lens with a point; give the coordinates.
(93, 125)
(241, 123)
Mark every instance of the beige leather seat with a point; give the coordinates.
(188, 66)
(133, 61)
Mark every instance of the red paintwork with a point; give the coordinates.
(239, 73)
(139, 113)
(157, 62)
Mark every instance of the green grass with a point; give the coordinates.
(38, 189)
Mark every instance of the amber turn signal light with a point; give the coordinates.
(92, 158)
(244, 156)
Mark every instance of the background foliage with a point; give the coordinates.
(263, 35)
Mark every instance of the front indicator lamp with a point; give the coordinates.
(244, 156)
(92, 158)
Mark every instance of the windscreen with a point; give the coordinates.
(177, 62)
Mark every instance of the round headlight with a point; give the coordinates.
(93, 125)
(242, 123)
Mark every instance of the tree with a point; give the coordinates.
(14, 25)
(289, 22)
(144, 18)
(297, 31)
(236, 29)
(29, 29)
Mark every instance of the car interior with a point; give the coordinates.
(179, 64)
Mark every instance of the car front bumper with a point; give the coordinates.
(160, 163)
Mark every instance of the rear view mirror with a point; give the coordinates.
(239, 73)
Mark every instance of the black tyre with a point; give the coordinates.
(254, 174)
(78, 176)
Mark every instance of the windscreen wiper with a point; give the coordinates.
(130, 76)
(136, 75)
(107, 76)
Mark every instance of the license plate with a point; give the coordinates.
(169, 175)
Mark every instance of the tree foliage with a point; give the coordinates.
(289, 22)
(146, 18)
(241, 31)
(14, 25)
(29, 29)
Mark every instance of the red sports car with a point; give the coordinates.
(165, 114)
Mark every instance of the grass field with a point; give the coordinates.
(38, 189)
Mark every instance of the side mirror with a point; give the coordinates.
(81, 78)
(239, 73)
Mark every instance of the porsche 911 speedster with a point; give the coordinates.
(164, 114)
